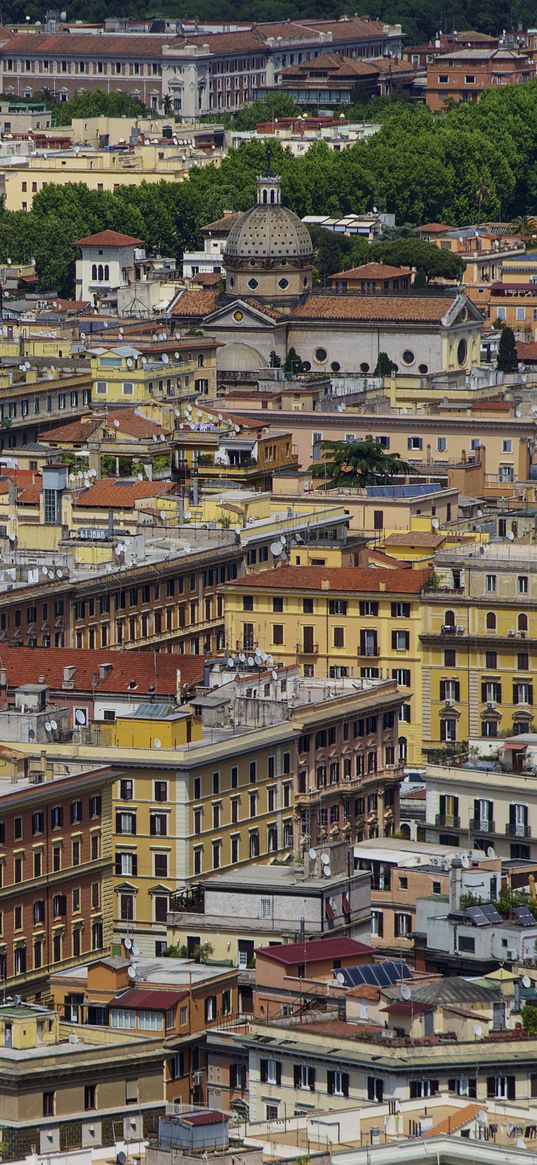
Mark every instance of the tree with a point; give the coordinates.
(384, 366)
(293, 364)
(357, 463)
(529, 1018)
(275, 360)
(167, 106)
(507, 354)
(420, 279)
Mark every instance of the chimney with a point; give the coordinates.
(455, 885)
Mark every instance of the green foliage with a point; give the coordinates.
(176, 952)
(507, 355)
(94, 103)
(529, 1018)
(270, 109)
(356, 463)
(384, 366)
(413, 252)
(293, 363)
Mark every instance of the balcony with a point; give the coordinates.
(517, 829)
(308, 797)
(307, 649)
(480, 825)
(448, 820)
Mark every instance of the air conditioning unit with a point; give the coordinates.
(511, 632)
(347, 776)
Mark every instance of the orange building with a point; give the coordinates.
(464, 74)
(371, 277)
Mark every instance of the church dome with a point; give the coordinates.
(268, 230)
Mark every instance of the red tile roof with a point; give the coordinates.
(369, 308)
(196, 303)
(527, 352)
(141, 999)
(315, 951)
(371, 271)
(76, 431)
(26, 665)
(108, 239)
(455, 1121)
(109, 493)
(69, 44)
(433, 228)
(30, 495)
(211, 1117)
(352, 579)
(415, 538)
(492, 406)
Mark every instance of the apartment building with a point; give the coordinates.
(56, 865)
(63, 1089)
(174, 999)
(478, 639)
(479, 806)
(371, 629)
(199, 73)
(28, 404)
(464, 74)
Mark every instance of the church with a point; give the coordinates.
(270, 306)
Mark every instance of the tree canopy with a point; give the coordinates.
(507, 354)
(356, 463)
(94, 103)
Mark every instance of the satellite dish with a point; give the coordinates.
(127, 943)
(526, 981)
(325, 858)
(130, 362)
(121, 1158)
(269, 660)
(312, 853)
(165, 359)
(276, 548)
(275, 675)
(435, 523)
(242, 657)
(48, 726)
(116, 424)
(157, 743)
(491, 852)
(80, 716)
(465, 861)
(327, 871)
(131, 972)
(231, 661)
(477, 1030)
(482, 1116)
(340, 979)
(520, 1143)
(176, 354)
(53, 725)
(161, 437)
(135, 950)
(405, 992)
(250, 661)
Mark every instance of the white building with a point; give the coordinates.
(108, 260)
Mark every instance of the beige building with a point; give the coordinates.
(483, 808)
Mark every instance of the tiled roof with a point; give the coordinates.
(26, 665)
(108, 239)
(433, 228)
(141, 999)
(527, 352)
(82, 45)
(418, 538)
(130, 423)
(492, 406)
(210, 1117)
(196, 303)
(370, 308)
(80, 430)
(110, 494)
(345, 29)
(388, 560)
(221, 224)
(30, 494)
(316, 949)
(353, 579)
(371, 271)
(455, 1121)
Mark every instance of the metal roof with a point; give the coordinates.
(374, 974)
(403, 491)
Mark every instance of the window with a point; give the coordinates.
(90, 1096)
(161, 865)
(375, 1089)
(95, 805)
(337, 606)
(304, 1077)
(125, 822)
(158, 824)
(400, 640)
(337, 1083)
(400, 610)
(441, 444)
(56, 817)
(501, 1087)
(402, 925)
(277, 603)
(270, 1071)
(414, 443)
(522, 693)
(523, 584)
(369, 607)
(448, 731)
(377, 923)
(277, 634)
(38, 822)
(126, 790)
(490, 584)
(76, 812)
(490, 621)
(49, 1103)
(161, 790)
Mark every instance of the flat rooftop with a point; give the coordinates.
(175, 972)
(272, 877)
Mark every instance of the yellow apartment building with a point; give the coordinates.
(513, 298)
(126, 374)
(484, 809)
(478, 642)
(339, 622)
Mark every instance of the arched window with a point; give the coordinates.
(100, 272)
(272, 196)
(201, 361)
(449, 618)
(93, 270)
(402, 748)
(491, 621)
(106, 271)
(522, 622)
(265, 196)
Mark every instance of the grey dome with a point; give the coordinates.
(268, 232)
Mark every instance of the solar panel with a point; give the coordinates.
(524, 916)
(490, 912)
(476, 916)
(375, 974)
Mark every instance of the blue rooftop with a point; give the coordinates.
(402, 491)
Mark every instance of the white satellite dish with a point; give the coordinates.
(242, 657)
(127, 943)
(325, 858)
(327, 871)
(465, 861)
(510, 536)
(250, 661)
(48, 726)
(435, 523)
(157, 743)
(477, 1030)
(480, 513)
(526, 981)
(269, 660)
(482, 1116)
(165, 359)
(131, 972)
(116, 424)
(312, 853)
(53, 725)
(491, 852)
(130, 362)
(135, 950)
(340, 979)
(274, 675)
(405, 992)
(231, 661)
(276, 548)
(80, 716)
(176, 354)
(161, 437)
(518, 412)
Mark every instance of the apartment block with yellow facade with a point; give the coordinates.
(340, 622)
(128, 374)
(479, 639)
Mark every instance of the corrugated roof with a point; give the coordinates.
(454, 990)
(353, 579)
(309, 952)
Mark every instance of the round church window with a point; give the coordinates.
(283, 283)
(253, 284)
(320, 355)
(238, 316)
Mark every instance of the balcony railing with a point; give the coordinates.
(448, 820)
(482, 825)
(517, 829)
(307, 649)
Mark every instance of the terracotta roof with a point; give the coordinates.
(371, 271)
(407, 1007)
(221, 224)
(492, 406)
(388, 560)
(363, 991)
(315, 950)
(25, 665)
(130, 423)
(354, 26)
(30, 494)
(455, 1121)
(419, 309)
(418, 538)
(208, 278)
(141, 999)
(210, 1117)
(76, 431)
(69, 44)
(108, 239)
(353, 579)
(342, 68)
(527, 352)
(110, 493)
(433, 228)
(196, 303)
